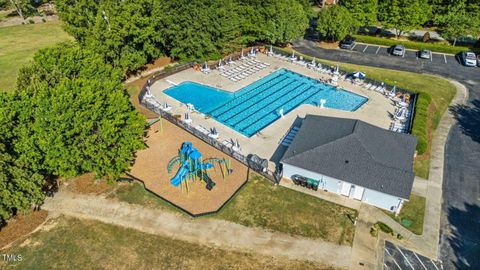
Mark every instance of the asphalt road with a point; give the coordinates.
(460, 233)
(398, 258)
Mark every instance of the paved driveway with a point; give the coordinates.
(460, 238)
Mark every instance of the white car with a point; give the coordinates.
(469, 59)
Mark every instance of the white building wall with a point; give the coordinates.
(330, 184)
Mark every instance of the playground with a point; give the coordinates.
(185, 171)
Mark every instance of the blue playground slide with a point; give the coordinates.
(182, 172)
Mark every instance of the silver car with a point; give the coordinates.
(398, 50)
(469, 59)
(425, 54)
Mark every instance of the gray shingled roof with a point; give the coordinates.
(356, 152)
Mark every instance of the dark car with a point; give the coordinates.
(347, 43)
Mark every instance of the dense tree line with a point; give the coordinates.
(69, 115)
(455, 18)
(131, 33)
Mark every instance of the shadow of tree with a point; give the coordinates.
(465, 236)
(469, 119)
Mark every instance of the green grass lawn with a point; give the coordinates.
(84, 244)
(412, 212)
(19, 43)
(264, 205)
(135, 193)
(441, 91)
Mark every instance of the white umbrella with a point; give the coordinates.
(271, 49)
(313, 61)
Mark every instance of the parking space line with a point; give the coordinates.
(420, 260)
(431, 57)
(377, 50)
(403, 55)
(353, 46)
(405, 257)
(434, 264)
(385, 266)
(445, 57)
(365, 48)
(393, 258)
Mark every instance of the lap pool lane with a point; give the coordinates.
(460, 232)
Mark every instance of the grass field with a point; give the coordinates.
(19, 43)
(441, 91)
(262, 204)
(83, 244)
(413, 211)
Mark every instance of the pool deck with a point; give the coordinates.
(376, 111)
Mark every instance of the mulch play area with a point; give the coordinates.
(163, 145)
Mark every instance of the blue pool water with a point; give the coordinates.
(256, 106)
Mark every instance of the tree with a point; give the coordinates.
(458, 22)
(198, 29)
(364, 11)
(272, 21)
(76, 116)
(20, 187)
(24, 8)
(335, 22)
(125, 33)
(404, 15)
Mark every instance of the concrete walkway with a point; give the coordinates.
(223, 234)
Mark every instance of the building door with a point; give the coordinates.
(357, 193)
(345, 191)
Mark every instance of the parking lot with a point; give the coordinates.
(435, 59)
(398, 258)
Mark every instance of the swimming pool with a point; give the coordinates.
(257, 105)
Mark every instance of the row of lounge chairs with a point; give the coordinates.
(246, 68)
(375, 87)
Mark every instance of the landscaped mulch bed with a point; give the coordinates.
(86, 184)
(20, 226)
(151, 168)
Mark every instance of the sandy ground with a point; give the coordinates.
(151, 167)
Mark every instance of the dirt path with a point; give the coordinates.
(205, 231)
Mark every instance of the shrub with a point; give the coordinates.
(422, 145)
(399, 236)
(44, 20)
(384, 227)
(374, 231)
(31, 21)
(420, 121)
